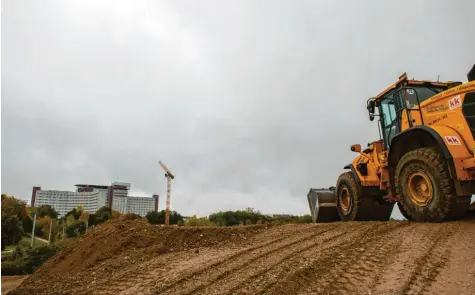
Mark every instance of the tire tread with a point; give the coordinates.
(453, 207)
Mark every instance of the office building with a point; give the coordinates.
(93, 197)
(138, 205)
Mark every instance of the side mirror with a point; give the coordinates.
(356, 148)
(370, 107)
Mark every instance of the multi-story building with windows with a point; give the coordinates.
(137, 205)
(93, 197)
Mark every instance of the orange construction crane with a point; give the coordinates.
(169, 175)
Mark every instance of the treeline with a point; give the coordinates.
(227, 218)
(17, 222)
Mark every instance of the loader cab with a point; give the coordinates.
(402, 98)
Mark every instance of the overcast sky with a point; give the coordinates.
(249, 103)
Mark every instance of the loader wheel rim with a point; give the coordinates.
(420, 188)
(345, 199)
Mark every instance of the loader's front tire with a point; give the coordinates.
(347, 197)
(425, 188)
(353, 205)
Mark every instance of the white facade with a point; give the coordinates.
(120, 204)
(138, 205)
(103, 196)
(93, 197)
(65, 201)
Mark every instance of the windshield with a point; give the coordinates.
(423, 92)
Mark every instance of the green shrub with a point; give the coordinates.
(195, 221)
(27, 262)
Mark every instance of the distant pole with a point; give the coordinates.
(87, 224)
(169, 190)
(33, 232)
(64, 229)
(50, 227)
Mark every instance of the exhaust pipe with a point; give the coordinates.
(471, 74)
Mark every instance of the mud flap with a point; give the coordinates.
(322, 203)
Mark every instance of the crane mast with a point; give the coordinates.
(169, 175)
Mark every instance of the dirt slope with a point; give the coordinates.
(342, 258)
(11, 282)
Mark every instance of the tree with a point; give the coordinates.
(12, 230)
(14, 206)
(74, 222)
(92, 219)
(244, 217)
(14, 219)
(43, 225)
(76, 228)
(154, 217)
(102, 214)
(74, 214)
(195, 221)
(47, 210)
(85, 217)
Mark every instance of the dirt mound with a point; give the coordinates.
(11, 282)
(114, 239)
(126, 241)
(396, 257)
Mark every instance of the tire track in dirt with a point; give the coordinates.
(240, 277)
(260, 281)
(238, 273)
(320, 274)
(352, 277)
(429, 265)
(121, 280)
(143, 276)
(242, 258)
(130, 282)
(410, 265)
(457, 277)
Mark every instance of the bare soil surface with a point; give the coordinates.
(11, 282)
(396, 257)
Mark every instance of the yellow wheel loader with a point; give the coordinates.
(424, 160)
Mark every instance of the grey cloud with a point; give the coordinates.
(249, 103)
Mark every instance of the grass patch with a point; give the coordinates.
(27, 261)
(25, 242)
(6, 254)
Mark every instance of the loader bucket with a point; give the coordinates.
(322, 203)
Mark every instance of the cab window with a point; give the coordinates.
(389, 122)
